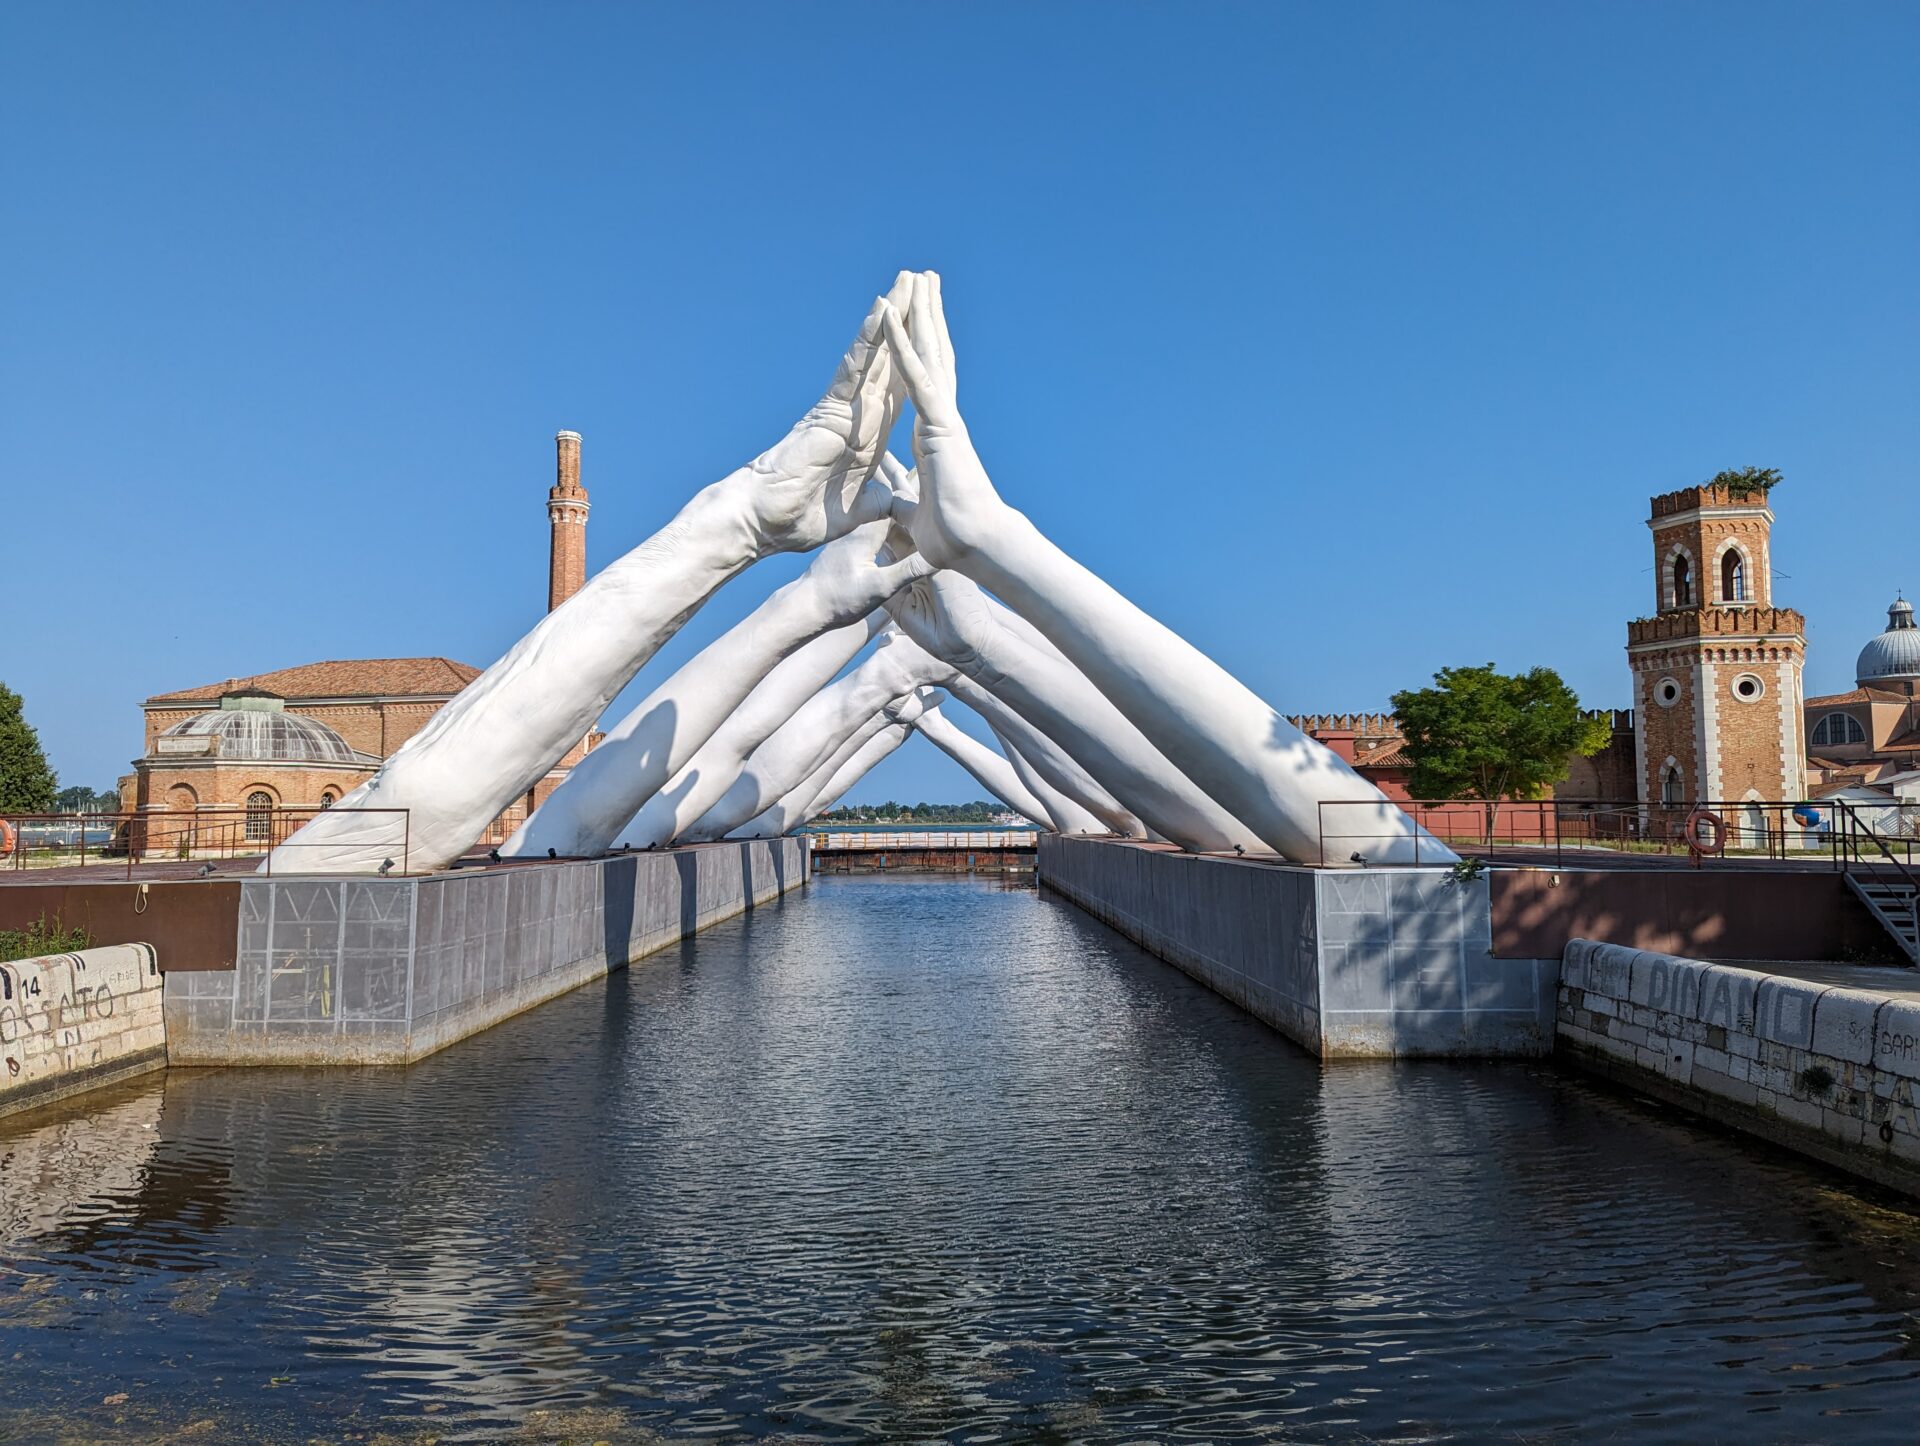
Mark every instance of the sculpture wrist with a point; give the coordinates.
(735, 521)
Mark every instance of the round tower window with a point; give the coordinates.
(1666, 692)
(1748, 688)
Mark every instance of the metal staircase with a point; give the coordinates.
(1893, 904)
(1881, 879)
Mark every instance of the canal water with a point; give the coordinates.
(929, 1158)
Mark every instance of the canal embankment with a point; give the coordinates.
(1347, 963)
(387, 971)
(1822, 1059)
(343, 970)
(77, 1021)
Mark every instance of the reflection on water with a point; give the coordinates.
(928, 1157)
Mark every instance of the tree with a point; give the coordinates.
(1486, 735)
(27, 785)
(81, 799)
(1745, 481)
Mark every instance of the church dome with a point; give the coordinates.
(261, 735)
(1895, 653)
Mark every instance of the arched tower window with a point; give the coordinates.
(259, 815)
(1733, 576)
(1673, 792)
(327, 800)
(1682, 582)
(1836, 730)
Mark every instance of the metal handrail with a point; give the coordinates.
(1855, 833)
(1785, 829)
(841, 839)
(217, 831)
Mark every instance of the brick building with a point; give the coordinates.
(1717, 668)
(1872, 733)
(244, 761)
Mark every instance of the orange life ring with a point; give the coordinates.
(1716, 839)
(7, 838)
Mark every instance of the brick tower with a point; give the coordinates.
(567, 520)
(1716, 670)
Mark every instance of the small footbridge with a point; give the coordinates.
(956, 851)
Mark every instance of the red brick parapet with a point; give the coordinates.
(1714, 622)
(1688, 499)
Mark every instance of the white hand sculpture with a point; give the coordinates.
(703, 780)
(1210, 726)
(1050, 762)
(1067, 816)
(509, 726)
(895, 669)
(952, 618)
(846, 581)
(989, 769)
(850, 763)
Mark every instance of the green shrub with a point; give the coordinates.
(39, 938)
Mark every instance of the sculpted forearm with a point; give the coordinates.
(848, 579)
(705, 778)
(820, 726)
(1049, 759)
(1067, 816)
(511, 725)
(1212, 729)
(1020, 668)
(989, 769)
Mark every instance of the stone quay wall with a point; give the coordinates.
(384, 971)
(1826, 1071)
(1348, 963)
(73, 1022)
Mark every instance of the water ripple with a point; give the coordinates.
(929, 1159)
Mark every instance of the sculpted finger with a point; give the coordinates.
(870, 503)
(920, 386)
(855, 365)
(903, 574)
(899, 476)
(942, 339)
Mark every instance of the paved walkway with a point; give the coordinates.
(1892, 981)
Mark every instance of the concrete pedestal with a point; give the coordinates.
(1359, 963)
(383, 971)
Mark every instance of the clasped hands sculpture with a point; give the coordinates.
(1121, 720)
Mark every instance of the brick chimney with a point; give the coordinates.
(567, 520)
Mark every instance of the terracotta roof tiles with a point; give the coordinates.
(349, 678)
(1858, 695)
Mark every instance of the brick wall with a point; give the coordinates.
(1667, 732)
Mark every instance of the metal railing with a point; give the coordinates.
(1559, 830)
(119, 841)
(904, 839)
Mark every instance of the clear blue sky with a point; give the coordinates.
(1350, 340)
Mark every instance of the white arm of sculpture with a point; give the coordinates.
(850, 762)
(1050, 761)
(1067, 816)
(846, 581)
(516, 720)
(989, 769)
(705, 778)
(1210, 726)
(952, 618)
(805, 741)
(878, 747)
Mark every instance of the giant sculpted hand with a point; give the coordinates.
(1212, 730)
(957, 512)
(438, 792)
(817, 482)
